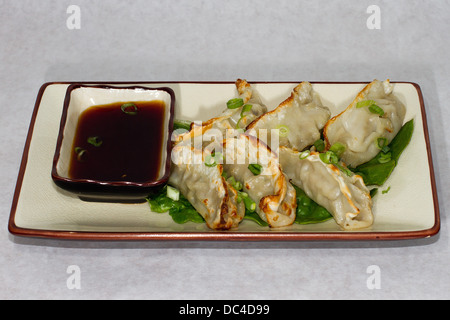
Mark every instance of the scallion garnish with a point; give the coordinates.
(250, 205)
(384, 157)
(329, 157)
(81, 154)
(210, 161)
(231, 180)
(213, 159)
(235, 184)
(344, 169)
(235, 103)
(382, 144)
(245, 109)
(376, 110)
(237, 124)
(319, 145)
(338, 148)
(386, 191)
(78, 150)
(241, 195)
(373, 107)
(365, 103)
(173, 193)
(283, 130)
(305, 154)
(182, 124)
(129, 108)
(255, 168)
(95, 141)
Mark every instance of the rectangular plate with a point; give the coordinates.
(41, 209)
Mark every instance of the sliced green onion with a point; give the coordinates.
(384, 157)
(329, 157)
(255, 168)
(245, 109)
(365, 103)
(210, 161)
(78, 150)
(373, 107)
(182, 124)
(129, 108)
(231, 180)
(237, 124)
(386, 191)
(218, 157)
(173, 193)
(283, 130)
(319, 145)
(333, 158)
(235, 184)
(235, 103)
(376, 110)
(250, 205)
(81, 154)
(213, 159)
(344, 169)
(241, 196)
(95, 141)
(382, 144)
(305, 154)
(338, 148)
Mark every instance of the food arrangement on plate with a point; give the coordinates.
(297, 163)
(260, 170)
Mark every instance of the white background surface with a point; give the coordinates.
(222, 40)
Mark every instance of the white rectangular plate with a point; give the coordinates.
(41, 209)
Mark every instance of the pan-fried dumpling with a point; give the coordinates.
(205, 188)
(249, 108)
(345, 197)
(374, 114)
(299, 120)
(257, 168)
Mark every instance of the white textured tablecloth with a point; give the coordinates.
(42, 41)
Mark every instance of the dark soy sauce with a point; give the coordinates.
(119, 142)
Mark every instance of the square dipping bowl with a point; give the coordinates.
(79, 98)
